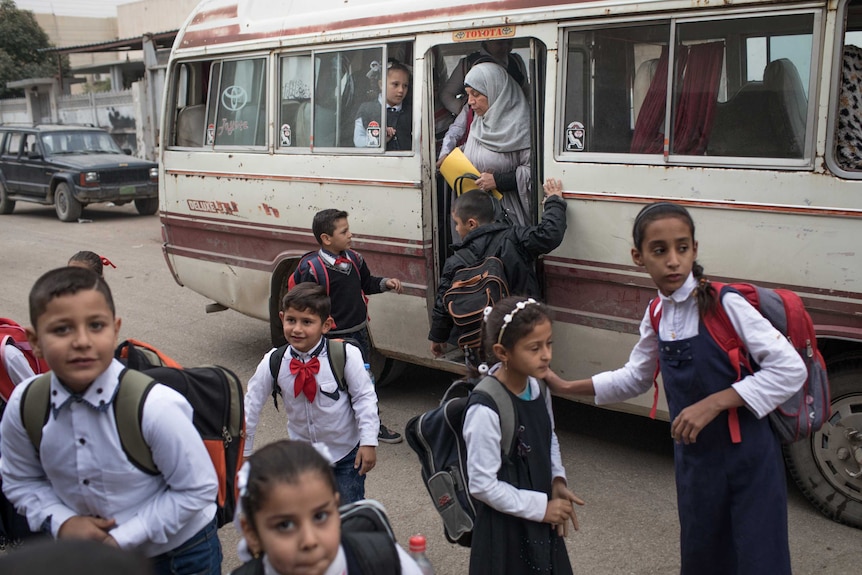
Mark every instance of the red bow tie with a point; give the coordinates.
(305, 381)
(343, 260)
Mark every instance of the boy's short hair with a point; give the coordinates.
(324, 222)
(475, 204)
(308, 296)
(65, 281)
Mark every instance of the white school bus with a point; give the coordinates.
(757, 130)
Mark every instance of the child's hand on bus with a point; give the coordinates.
(560, 490)
(440, 161)
(437, 348)
(366, 459)
(691, 420)
(553, 188)
(394, 284)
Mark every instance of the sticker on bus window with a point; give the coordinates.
(285, 135)
(372, 135)
(210, 134)
(575, 137)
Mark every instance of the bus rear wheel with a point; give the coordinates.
(827, 467)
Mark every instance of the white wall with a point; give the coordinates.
(138, 18)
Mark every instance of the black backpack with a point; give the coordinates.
(475, 287)
(215, 394)
(437, 438)
(368, 540)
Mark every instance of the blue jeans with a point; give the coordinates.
(200, 555)
(351, 485)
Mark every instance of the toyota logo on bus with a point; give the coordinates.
(234, 98)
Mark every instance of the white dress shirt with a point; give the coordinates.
(16, 364)
(782, 372)
(81, 468)
(339, 424)
(484, 459)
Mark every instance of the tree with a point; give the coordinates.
(22, 49)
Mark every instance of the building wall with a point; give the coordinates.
(75, 30)
(138, 18)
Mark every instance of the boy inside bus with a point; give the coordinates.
(367, 130)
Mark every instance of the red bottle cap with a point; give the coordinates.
(417, 543)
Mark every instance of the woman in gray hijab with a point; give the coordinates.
(499, 140)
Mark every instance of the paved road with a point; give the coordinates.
(621, 465)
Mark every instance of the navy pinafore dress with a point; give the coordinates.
(503, 544)
(732, 497)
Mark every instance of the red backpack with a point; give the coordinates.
(11, 333)
(807, 410)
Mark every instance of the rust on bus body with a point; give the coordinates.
(233, 32)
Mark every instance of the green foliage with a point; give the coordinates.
(21, 39)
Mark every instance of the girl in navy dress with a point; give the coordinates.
(732, 496)
(524, 503)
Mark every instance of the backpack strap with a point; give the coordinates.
(315, 268)
(35, 408)
(336, 352)
(655, 319)
(491, 387)
(134, 387)
(721, 330)
(275, 359)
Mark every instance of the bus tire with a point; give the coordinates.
(824, 465)
(385, 369)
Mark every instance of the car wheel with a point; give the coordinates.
(827, 466)
(147, 206)
(68, 208)
(6, 205)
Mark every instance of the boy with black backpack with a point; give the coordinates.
(77, 482)
(457, 313)
(325, 400)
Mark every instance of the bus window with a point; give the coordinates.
(342, 82)
(848, 115)
(189, 98)
(295, 108)
(236, 112)
(740, 89)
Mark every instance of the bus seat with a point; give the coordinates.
(848, 134)
(763, 119)
(643, 78)
(789, 108)
(190, 126)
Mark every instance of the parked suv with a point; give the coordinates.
(70, 167)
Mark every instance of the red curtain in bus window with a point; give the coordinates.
(698, 98)
(648, 137)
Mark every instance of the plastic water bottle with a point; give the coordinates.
(370, 373)
(417, 551)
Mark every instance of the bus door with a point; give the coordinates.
(448, 63)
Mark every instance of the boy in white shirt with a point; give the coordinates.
(80, 484)
(317, 410)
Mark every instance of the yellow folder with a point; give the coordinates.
(460, 173)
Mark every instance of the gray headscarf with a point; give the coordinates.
(505, 127)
